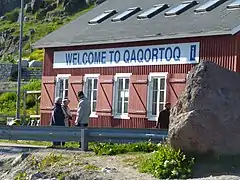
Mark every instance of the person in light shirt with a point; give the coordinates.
(83, 111)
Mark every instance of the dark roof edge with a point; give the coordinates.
(148, 38)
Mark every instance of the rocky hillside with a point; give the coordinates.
(41, 17)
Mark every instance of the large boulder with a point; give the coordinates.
(206, 118)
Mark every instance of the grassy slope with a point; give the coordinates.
(8, 100)
(41, 29)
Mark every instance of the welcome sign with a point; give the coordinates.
(184, 53)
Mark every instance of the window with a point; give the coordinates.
(156, 94)
(126, 14)
(102, 17)
(181, 8)
(210, 5)
(234, 5)
(121, 95)
(90, 90)
(62, 86)
(153, 11)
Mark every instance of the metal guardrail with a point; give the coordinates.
(83, 135)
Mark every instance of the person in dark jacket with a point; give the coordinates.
(163, 118)
(58, 116)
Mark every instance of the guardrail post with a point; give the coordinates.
(84, 139)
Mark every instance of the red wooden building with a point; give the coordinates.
(132, 57)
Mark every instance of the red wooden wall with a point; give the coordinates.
(223, 50)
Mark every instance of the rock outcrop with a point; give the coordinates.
(36, 12)
(206, 118)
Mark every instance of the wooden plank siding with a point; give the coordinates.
(223, 50)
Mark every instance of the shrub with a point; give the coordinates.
(13, 15)
(8, 99)
(113, 149)
(167, 163)
(33, 85)
(50, 160)
(8, 59)
(37, 55)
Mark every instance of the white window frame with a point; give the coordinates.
(61, 76)
(149, 101)
(115, 95)
(86, 77)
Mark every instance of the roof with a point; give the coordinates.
(218, 21)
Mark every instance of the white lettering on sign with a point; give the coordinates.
(184, 53)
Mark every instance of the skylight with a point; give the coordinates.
(102, 17)
(234, 5)
(181, 8)
(210, 5)
(126, 14)
(153, 11)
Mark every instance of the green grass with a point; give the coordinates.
(91, 167)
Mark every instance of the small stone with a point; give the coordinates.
(36, 176)
(108, 170)
(19, 159)
(26, 19)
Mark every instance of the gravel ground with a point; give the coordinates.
(80, 165)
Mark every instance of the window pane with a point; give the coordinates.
(154, 109)
(126, 83)
(155, 84)
(154, 96)
(162, 83)
(66, 83)
(120, 86)
(94, 95)
(94, 106)
(119, 95)
(95, 84)
(161, 97)
(119, 107)
(66, 94)
(61, 84)
(126, 107)
(89, 84)
(126, 95)
(89, 95)
(61, 94)
(161, 107)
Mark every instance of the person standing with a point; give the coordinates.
(58, 117)
(163, 118)
(67, 112)
(83, 111)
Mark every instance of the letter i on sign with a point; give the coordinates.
(193, 52)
